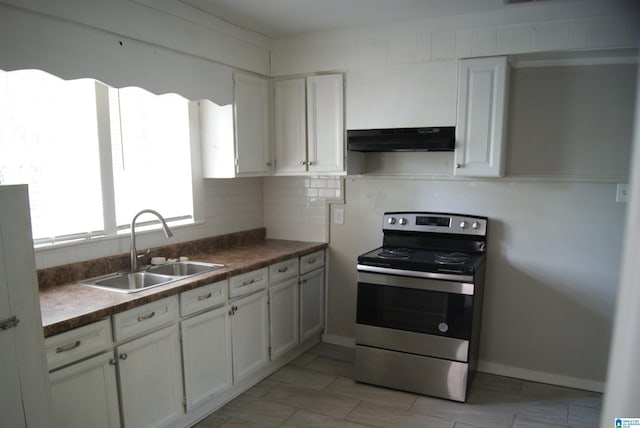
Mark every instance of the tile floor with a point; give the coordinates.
(317, 390)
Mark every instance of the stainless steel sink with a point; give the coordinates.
(131, 282)
(184, 268)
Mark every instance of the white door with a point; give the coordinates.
(283, 317)
(311, 304)
(150, 376)
(253, 150)
(25, 398)
(290, 126)
(206, 353)
(249, 335)
(85, 394)
(482, 117)
(325, 123)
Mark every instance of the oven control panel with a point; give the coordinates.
(435, 222)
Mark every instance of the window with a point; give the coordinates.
(151, 154)
(52, 137)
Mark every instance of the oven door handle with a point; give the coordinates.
(395, 278)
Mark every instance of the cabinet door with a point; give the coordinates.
(482, 117)
(24, 385)
(290, 126)
(325, 128)
(283, 316)
(206, 353)
(249, 335)
(150, 376)
(311, 304)
(253, 151)
(85, 394)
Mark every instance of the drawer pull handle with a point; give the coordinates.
(283, 269)
(249, 282)
(205, 297)
(67, 347)
(146, 317)
(311, 261)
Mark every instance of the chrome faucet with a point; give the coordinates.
(134, 254)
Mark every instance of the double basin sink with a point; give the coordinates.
(131, 282)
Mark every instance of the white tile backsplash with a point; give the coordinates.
(297, 207)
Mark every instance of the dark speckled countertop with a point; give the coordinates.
(71, 305)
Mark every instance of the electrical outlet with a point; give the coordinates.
(622, 193)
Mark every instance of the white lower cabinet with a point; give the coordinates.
(311, 303)
(158, 369)
(85, 394)
(249, 335)
(284, 317)
(150, 369)
(206, 353)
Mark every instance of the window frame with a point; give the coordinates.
(110, 226)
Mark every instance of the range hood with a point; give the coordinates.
(440, 139)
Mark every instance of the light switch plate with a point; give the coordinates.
(338, 216)
(622, 192)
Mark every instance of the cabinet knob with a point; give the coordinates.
(310, 163)
(113, 361)
(458, 165)
(123, 357)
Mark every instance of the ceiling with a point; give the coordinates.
(283, 18)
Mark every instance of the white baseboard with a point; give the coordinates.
(503, 370)
(541, 377)
(334, 339)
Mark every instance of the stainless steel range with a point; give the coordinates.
(419, 304)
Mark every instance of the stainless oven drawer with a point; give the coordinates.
(394, 278)
(414, 373)
(414, 343)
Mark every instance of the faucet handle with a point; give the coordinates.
(144, 254)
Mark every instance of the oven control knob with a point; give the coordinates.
(391, 220)
(463, 224)
(475, 225)
(402, 221)
(443, 327)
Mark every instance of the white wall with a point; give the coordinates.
(520, 28)
(553, 258)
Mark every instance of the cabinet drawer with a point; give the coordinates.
(76, 344)
(201, 298)
(248, 282)
(145, 318)
(284, 270)
(311, 261)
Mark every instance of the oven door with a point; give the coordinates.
(415, 315)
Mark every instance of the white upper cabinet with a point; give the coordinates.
(309, 125)
(482, 117)
(325, 123)
(235, 138)
(251, 98)
(289, 100)
(402, 96)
